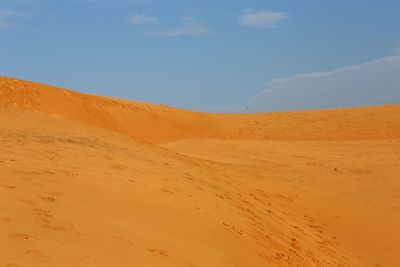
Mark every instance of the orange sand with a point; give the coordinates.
(94, 181)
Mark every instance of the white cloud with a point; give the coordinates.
(143, 19)
(190, 27)
(372, 83)
(261, 18)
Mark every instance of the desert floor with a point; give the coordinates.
(95, 181)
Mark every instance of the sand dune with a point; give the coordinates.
(95, 181)
(144, 121)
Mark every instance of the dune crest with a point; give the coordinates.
(380, 122)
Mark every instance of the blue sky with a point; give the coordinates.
(208, 55)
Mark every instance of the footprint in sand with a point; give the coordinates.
(8, 186)
(4, 219)
(167, 191)
(24, 237)
(48, 199)
(265, 257)
(118, 166)
(159, 252)
(43, 213)
(27, 202)
(34, 252)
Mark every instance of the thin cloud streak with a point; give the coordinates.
(372, 83)
(190, 27)
(396, 49)
(264, 19)
(143, 19)
(6, 16)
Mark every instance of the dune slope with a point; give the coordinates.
(94, 181)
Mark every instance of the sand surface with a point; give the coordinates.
(95, 181)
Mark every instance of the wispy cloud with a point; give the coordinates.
(372, 83)
(143, 19)
(86, 1)
(261, 18)
(190, 26)
(396, 49)
(6, 16)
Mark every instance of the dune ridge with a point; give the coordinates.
(380, 122)
(93, 181)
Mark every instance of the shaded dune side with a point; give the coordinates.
(144, 121)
